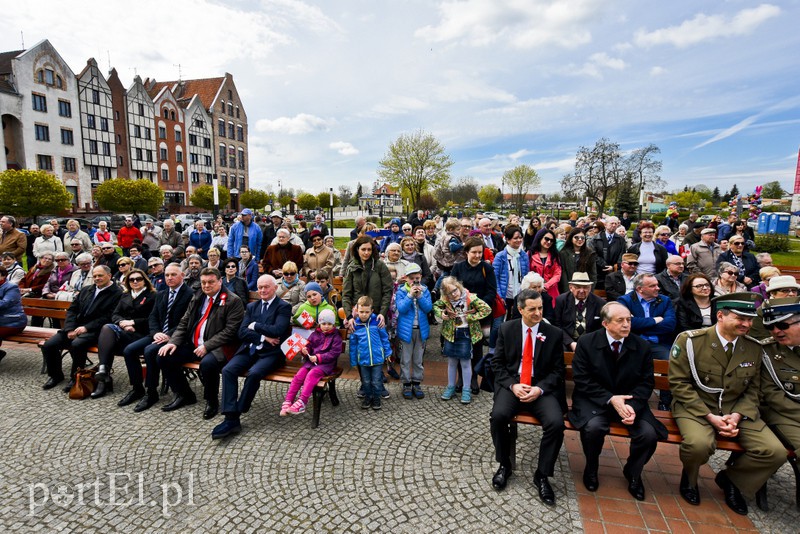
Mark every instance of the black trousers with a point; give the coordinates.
(172, 367)
(546, 409)
(643, 441)
(78, 348)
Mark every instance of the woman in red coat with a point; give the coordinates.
(546, 261)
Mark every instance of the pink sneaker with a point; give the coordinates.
(285, 408)
(297, 408)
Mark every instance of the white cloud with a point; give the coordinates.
(520, 23)
(301, 123)
(657, 71)
(461, 87)
(599, 61)
(399, 105)
(707, 27)
(343, 148)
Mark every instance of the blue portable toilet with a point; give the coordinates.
(763, 222)
(779, 223)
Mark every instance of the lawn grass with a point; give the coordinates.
(340, 242)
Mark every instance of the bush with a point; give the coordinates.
(343, 223)
(772, 243)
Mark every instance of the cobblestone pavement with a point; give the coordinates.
(416, 466)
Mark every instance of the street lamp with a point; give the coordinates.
(331, 200)
(216, 196)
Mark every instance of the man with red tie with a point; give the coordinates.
(211, 321)
(613, 375)
(528, 363)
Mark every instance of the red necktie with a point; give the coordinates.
(527, 360)
(199, 326)
(616, 347)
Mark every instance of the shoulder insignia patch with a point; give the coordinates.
(676, 351)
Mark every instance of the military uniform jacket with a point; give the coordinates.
(780, 384)
(716, 386)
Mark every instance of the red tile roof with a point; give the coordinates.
(205, 88)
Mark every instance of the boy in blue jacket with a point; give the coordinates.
(413, 305)
(369, 348)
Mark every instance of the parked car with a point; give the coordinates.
(118, 220)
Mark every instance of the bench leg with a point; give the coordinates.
(796, 469)
(761, 498)
(317, 396)
(513, 448)
(332, 392)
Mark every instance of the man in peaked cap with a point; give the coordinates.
(714, 374)
(780, 371)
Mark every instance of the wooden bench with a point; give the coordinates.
(660, 372)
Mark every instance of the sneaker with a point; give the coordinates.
(285, 408)
(449, 391)
(366, 403)
(417, 391)
(385, 393)
(376, 404)
(297, 408)
(407, 393)
(466, 396)
(361, 394)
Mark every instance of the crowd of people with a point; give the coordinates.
(510, 300)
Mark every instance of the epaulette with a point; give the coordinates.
(751, 338)
(695, 333)
(768, 341)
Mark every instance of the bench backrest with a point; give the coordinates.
(54, 309)
(660, 371)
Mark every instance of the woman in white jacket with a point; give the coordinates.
(47, 242)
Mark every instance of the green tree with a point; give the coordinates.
(306, 201)
(773, 190)
(715, 196)
(734, 191)
(203, 197)
(427, 202)
(417, 163)
(27, 193)
(324, 200)
(627, 197)
(687, 199)
(123, 195)
(489, 195)
(345, 195)
(521, 180)
(254, 198)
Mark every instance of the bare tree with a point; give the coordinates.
(597, 173)
(644, 168)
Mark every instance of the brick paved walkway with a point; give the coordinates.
(416, 466)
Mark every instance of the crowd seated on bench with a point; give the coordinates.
(617, 304)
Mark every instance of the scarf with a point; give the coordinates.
(243, 267)
(514, 282)
(289, 286)
(410, 257)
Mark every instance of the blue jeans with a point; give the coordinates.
(372, 380)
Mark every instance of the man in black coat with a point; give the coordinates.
(613, 375)
(170, 306)
(620, 282)
(609, 248)
(87, 314)
(577, 312)
(671, 278)
(528, 364)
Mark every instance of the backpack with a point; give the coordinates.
(441, 253)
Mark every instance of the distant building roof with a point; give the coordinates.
(205, 88)
(389, 190)
(5, 60)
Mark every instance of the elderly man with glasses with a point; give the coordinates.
(620, 282)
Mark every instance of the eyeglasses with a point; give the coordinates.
(84, 264)
(136, 279)
(455, 293)
(62, 259)
(579, 238)
(784, 291)
(75, 244)
(547, 239)
(702, 286)
(634, 263)
(783, 325)
(732, 273)
(231, 266)
(466, 226)
(288, 274)
(664, 235)
(737, 244)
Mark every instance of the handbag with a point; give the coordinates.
(85, 382)
(499, 307)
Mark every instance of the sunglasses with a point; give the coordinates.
(663, 235)
(547, 239)
(634, 263)
(783, 325)
(231, 266)
(62, 259)
(737, 244)
(579, 238)
(136, 279)
(288, 274)
(732, 273)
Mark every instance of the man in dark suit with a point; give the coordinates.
(266, 325)
(528, 364)
(671, 278)
(87, 314)
(491, 240)
(211, 321)
(577, 312)
(609, 248)
(170, 306)
(620, 282)
(613, 375)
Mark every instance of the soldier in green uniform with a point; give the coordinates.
(714, 374)
(780, 372)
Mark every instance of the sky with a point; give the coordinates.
(328, 86)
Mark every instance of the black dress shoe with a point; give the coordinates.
(105, 384)
(733, 498)
(635, 484)
(500, 478)
(212, 409)
(546, 492)
(132, 396)
(590, 480)
(53, 382)
(689, 493)
(179, 402)
(69, 385)
(146, 402)
(2, 354)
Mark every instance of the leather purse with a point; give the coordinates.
(85, 382)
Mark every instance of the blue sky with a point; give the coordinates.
(328, 85)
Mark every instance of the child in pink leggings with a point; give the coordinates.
(319, 359)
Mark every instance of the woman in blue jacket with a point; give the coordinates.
(12, 316)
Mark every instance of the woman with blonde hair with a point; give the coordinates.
(290, 287)
(125, 266)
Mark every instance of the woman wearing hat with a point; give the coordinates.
(317, 257)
